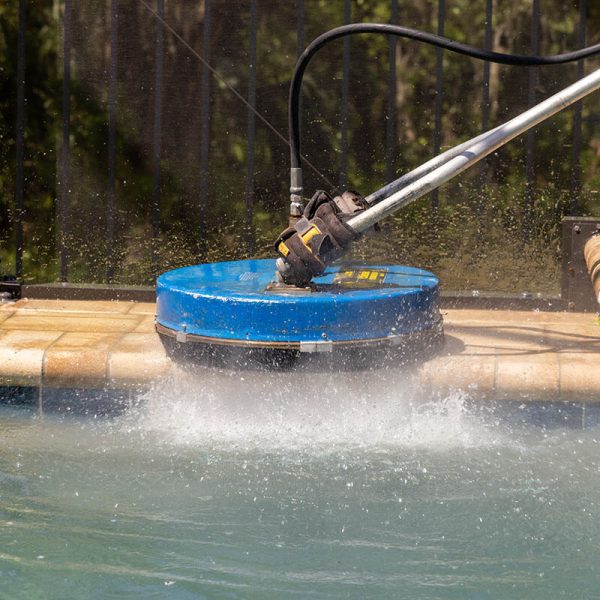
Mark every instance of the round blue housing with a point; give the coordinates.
(237, 303)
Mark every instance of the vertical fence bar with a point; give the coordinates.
(249, 191)
(485, 111)
(485, 85)
(439, 91)
(20, 141)
(299, 27)
(574, 207)
(390, 133)
(530, 141)
(65, 174)
(300, 19)
(112, 141)
(345, 97)
(204, 126)
(487, 44)
(157, 133)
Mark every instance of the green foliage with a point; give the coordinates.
(484, 235)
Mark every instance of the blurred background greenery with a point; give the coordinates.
(484, 233)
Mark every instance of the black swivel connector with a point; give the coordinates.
(318, 238)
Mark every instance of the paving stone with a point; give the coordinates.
(143, 308)
(575, 337)
(88, 306)
(528, 375)
(506, 355)
(22, 355)
(138, 357)
(520, 317)
(473, 374)
(77, 358)
(580, 376)
(5, 315)
(23, 320)
(147, 325)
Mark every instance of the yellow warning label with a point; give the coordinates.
(360, 278)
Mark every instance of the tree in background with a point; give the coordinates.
(205, 215)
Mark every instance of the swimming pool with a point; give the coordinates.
(228, 486)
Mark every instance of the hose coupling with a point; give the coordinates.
(318, 238)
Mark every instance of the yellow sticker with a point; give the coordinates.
(283, 249)
(310, 234)
(360, 278)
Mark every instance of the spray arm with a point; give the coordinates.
(412, 186)
(466, 155)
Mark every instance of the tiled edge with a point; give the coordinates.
(143, 308)
(514, 317)
(574, 337)
(137, 358)
(580, 377)
(98, 307)
(78, 359)
(43, 320)
(146, 325)
(445, 374)
(22, 356)
(530, 376)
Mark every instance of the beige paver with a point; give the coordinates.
(146, 325)
(489, 354)
(518, 317)
(525, 376)
(575, 337)
(87, 306)
(78, 358)
(468, 372)
(22, 354)
(138, 357)
(580, 376)
(22, 320)
(143, 308)
(503, 338)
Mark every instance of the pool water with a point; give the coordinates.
(230, 486)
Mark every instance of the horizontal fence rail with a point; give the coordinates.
(150, 161)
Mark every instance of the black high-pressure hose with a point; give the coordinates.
(318, 233)
(414, 34)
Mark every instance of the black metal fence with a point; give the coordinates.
(143, 143)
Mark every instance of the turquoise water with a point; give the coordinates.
(234, 488)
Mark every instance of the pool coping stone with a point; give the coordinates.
(492, 355)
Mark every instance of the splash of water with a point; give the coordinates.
(316, 411)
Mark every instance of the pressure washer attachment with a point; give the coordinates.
(231, 311)
(319, 237)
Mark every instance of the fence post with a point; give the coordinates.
(204, 125)
(112, 141)
(20, 140)
(439, 92)
(65, 164)
(574, 207)
(159, 57)
(249, 188)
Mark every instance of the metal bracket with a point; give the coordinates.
(10, 288)
(182, 336)
(577, 292)
(326, 346)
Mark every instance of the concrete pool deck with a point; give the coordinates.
(512, 355)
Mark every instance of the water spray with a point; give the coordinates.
(305, 302)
